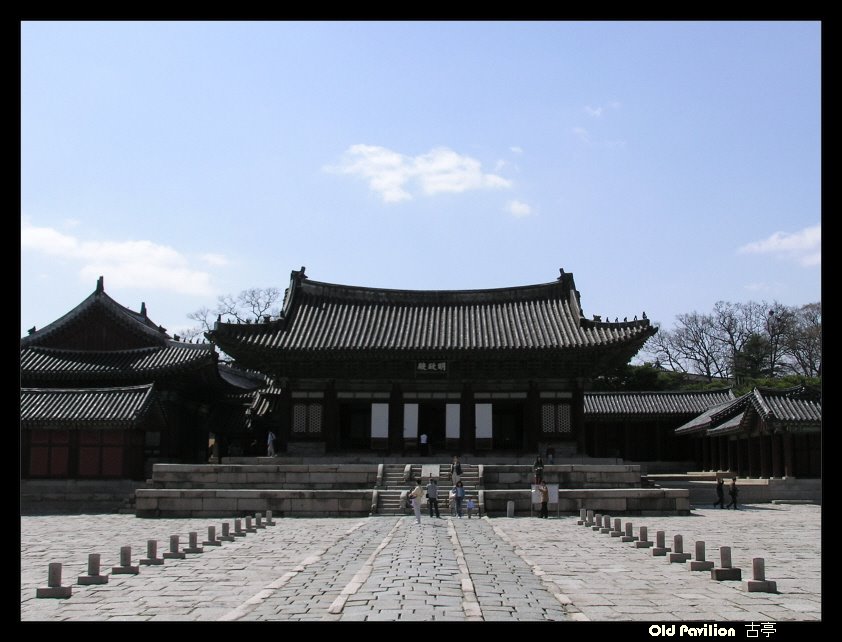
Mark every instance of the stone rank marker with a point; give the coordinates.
(726, 571)
(606, 525)
(54, 587)
(152, 558)
(660, 549)
(125, 567)
(758, 582)
(617, 531)
(644, 538)
(269, 520)
(174, 553)
(226, 535)
(597, 522)
(238, 529)
(700, 564)
(212, 539)
(193, 543)
(258, 521)
(679, 556)
(93, 576)
(629, 536)
(582, 515)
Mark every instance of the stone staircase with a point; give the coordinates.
(397, 481)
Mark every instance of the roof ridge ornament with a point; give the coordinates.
(100, 285)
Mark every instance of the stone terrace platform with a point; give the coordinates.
(389, 569)
(344, 490)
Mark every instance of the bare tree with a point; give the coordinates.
(803, 342)
(743, 340)
(248, 305)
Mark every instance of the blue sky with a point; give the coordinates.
(667, 165)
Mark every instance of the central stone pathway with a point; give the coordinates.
(393, 569)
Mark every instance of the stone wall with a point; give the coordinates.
(261, 476)
(620, 501)
(499, 477)
(182, 502)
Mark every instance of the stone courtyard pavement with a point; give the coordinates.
(389, 568)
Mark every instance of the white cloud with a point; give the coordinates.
(597, 111)
(518, 209)
(397, 177)
(138, 264)
(217, 260)
(803, 246)
(582, 134)
(516, 150)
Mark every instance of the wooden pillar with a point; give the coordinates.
(732, 456)
(467, 420)
(284, 425)
(738, 455)
(706, 453)
(330, 418)
(777, 468)
(753, 467)
(763, 447)
(789, 470)
(396, 444)
(577, 416)
(697, 451)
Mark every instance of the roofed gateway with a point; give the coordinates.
(368, 368)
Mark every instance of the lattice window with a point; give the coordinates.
(314, 418)
(307, 418)
(555, 418)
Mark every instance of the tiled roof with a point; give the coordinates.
(53, 407)
(792, 406)
(40, 362)
(703, 421)
(630, 404)
(731, 425)
(328, 317)
(779, 407)
(137, 322)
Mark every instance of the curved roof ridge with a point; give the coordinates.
(716, 391)
(138, 322)
(84, 390)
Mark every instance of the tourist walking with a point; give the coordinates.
(458, 494)
(544, 496)
(732, 491)
(415, 496)
(470, 505)
(270, 444)
(433, 497)
(422, 440)
(538, 469)
(720, 493)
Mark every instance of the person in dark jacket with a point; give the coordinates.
(732, 491)
(720, 493)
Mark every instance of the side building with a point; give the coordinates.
(105, 392)
(371, 370)
(765, 433)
